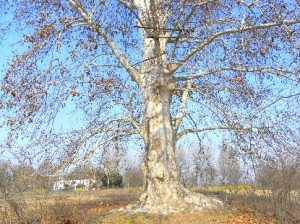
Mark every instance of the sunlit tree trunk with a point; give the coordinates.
(162, 186)
(163, 191)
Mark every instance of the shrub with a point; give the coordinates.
(80, 189)
(41, 191)
(80, 186)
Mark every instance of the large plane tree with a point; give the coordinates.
(150, 71)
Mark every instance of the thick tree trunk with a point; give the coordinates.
(163, 192)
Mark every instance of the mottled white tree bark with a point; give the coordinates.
(163, 191)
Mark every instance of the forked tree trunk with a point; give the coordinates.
(163, 192)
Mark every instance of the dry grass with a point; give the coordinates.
(182, 218)
(95, 207)
(65, 207)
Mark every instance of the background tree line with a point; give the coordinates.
(197, 168)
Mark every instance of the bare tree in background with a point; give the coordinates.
(6, 177)
(109, 169)
(22, 177)
(205, 172)
(229, 166)
(184, 168)
(84, 171)
(133, 177)
(195, 166)
(150, 72)
(110, 165)
(278, 176)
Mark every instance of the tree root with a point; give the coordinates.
(189, 201)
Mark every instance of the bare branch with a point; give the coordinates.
(95, 26)
(131, 6)
(188, 131)
(94, 9)
(267, 69)
(207, 41)
(102, 140)
(274, 102)
(180, 33)
(181, 111)
(131, 119)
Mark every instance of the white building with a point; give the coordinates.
(87, 184)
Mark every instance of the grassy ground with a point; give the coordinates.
(95, 207)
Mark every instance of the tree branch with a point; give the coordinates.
(274, 102)
(210, 39)
(131, 6)
(187, 131)
(181, 111)
(95, 26)
(180, 33)
(103, 139)
(267, 69)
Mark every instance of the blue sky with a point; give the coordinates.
(65, 119)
